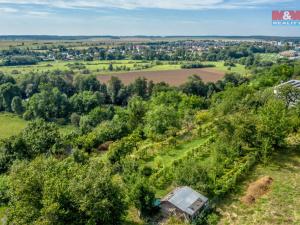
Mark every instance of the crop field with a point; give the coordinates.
(172, 77)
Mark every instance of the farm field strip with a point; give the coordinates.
(172, 77)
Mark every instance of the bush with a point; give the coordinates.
(4, 189)
(75, 119)
(195, 66)
(20, 60)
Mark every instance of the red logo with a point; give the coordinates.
(286, 15)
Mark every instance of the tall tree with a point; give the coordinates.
(7, 92)
(17, 106)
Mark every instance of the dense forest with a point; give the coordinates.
(113, 162)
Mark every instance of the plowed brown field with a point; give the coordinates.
(172, 77)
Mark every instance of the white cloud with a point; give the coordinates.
(134, 4)
(7, 10)
(38, 13)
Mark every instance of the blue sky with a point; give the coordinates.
(144, 17)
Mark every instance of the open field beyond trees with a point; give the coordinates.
(172, 77)
(11, 124)
(126, 67)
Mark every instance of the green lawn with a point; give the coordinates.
(281, 205)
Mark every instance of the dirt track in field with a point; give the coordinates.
(172, 77)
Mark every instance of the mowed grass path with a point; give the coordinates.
(280, 206)
(167, 156)
(11, 124)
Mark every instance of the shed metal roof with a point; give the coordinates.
(295, 83)
(187, 200)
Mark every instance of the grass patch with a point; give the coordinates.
(168, 155)
(238, 68)
(279, 206)
(10, 125)
(3, 214)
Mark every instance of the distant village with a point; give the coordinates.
(163, 50)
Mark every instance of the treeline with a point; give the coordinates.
(54, 97)
(195, 65)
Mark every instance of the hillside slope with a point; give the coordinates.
(281, 204)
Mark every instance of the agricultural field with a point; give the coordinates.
(129, 70)
(172, 77)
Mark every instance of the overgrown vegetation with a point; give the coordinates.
(133, 143)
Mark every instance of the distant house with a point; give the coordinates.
(289, 54)
(184, 203)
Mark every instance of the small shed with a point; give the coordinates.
(184, 203)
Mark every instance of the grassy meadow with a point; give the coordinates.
(11, 124)
(100, 67)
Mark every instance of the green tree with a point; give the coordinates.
(123, 147)
(7, 92)
(50, 191)
(41, 137)
(86, 83)
(85, 101)
(143, 198)
(160, 119)
(110, 67)
(137, 109)
(273, 126)
(195, 86)
(139, 87)
(17, 106)
(6, 79)
(115, 86)
(75, 119)
(48, 105)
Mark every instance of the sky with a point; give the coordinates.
(144, 17)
